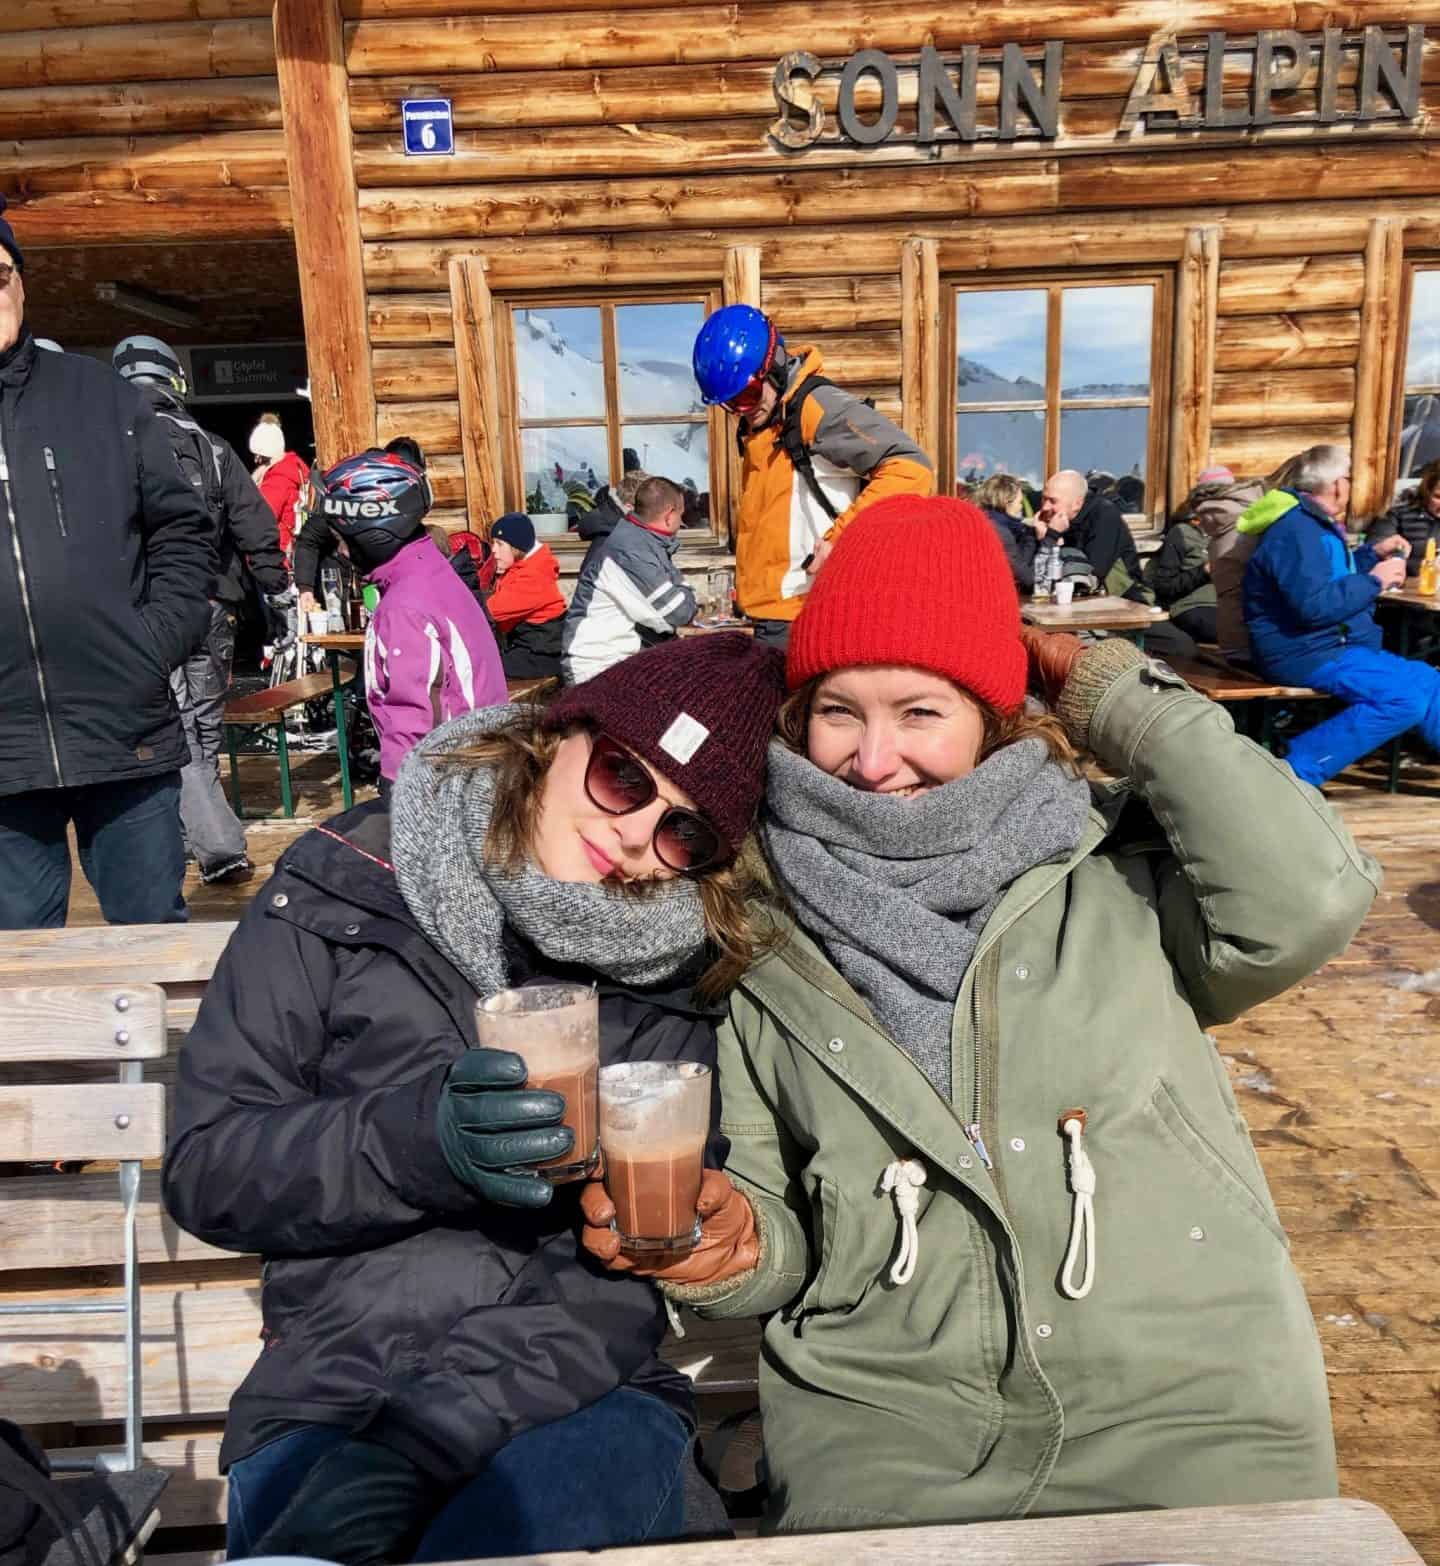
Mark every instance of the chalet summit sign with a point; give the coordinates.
(1179, 85)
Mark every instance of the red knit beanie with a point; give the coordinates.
(921, 582)
(699, 709)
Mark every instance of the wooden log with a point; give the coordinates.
(834, 304)
(25, 15)
(1379, 367)
(436, 425)
(858, 358)
(1291, 283)
(413, 318)
(871, 250)
(1193, 361)
(149, 108)
(163, 51)
(128, 217)
(1303, 339)
(920, 350)
(447, 484)
(1284, 397)
(509, 100)
(1302, 174)
(308, 45)
(479, 388)
(741, 283)
(1254, 453)
(698, 34)
(222, 159)
(413, 374)
(762, 200)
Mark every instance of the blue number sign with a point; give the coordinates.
(429, 129)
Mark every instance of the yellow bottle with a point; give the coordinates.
(1429, 582)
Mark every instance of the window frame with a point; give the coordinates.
(613, 420)
(1400, 388)
(1162, 335)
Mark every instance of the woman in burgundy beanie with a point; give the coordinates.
(987, 1186)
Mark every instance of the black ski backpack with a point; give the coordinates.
(792, 442)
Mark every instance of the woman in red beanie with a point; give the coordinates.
(444, 1376)
(990, 1188)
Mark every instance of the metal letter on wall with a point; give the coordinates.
(1377, 59)
(1271, 77)
(791, 94)
(882, 66)
(1162, 53)
(936, 82)
(1042, 103)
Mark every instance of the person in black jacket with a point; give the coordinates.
(443, 1374)
(106, 569)
(248, 538)
(1415, 517)
(1002, 498)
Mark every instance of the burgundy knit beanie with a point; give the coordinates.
(918, 581)
(699, 709)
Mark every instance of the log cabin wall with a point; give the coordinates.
(624, 145)
(141, 121)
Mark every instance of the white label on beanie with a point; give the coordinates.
(683, 738)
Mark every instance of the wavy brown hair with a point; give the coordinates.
(520, 755)
(1001, 728)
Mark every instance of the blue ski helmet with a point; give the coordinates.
(376, 501)
(735, 345)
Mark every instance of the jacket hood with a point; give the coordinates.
(803, 362)
(1269, 509)
(413, 559)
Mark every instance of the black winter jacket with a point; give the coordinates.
(1412, 522)
(107, 562)
(1100, 530)
(1019, 541)
(248, 532)
(395, 1301)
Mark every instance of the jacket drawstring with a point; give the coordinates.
(1082, 1218)
(903, 1180)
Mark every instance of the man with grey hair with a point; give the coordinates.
(1310, 609)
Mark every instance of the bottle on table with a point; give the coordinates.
(1047, 570)
(1429, 582)
(334, 604)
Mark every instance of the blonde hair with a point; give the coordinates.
(1001, 492)
(520, 755)
(1000, 728)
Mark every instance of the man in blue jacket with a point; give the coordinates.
(1310, 610)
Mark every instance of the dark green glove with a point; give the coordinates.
(489, 1122)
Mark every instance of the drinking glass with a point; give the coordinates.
(654, 1122)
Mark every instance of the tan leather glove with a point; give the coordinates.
(1052, 656)
(729, 1243)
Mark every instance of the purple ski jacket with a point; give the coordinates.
(429, 652)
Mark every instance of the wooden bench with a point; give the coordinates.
(249, 719)
(200, 1307)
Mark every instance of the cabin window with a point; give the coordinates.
(599, 387)
(1052, 374)
(1419, 441)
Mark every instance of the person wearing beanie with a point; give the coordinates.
(526, 607)
(106, 581)
(1016, 1254)
(281, 475)
(444, 1374)
(630, 593)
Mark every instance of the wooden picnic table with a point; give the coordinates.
(1103, 613)
(710, 627)
(333, 643)
(1289, 1533)
(1413, 601)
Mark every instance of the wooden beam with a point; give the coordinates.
(1284, 396)
(412, 374)
(1296, 282)
(832, 304)
(21, 15)
(209, 161)
(160, 51)
(742, 275)
(130, 217)
(479, 391)
(311, 65)
(920, 343)
(1301, 339)
(1377, 367)
(144, 108)
(1193, 361)
(1253, 451)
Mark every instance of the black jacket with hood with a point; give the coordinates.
(396, 1302)
(1100, 530)
(247, 533)
(107, 562)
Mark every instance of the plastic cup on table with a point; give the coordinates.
(1064, 593)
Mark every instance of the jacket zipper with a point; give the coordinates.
(55, 494)
(23, 580)
(983, 1033)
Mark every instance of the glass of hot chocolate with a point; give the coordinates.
(555, 1029)
(654, 1122)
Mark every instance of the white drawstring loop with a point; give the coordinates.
(1082, 1219)
(903, 1180)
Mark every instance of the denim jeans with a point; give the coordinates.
(1387, 696)
(130, 850)
(611, 1474)
(212, 831)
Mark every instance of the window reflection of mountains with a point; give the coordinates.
(1420, 434)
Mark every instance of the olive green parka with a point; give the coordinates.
(1190, 1373)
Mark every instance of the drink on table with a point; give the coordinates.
(1429, 581)
(555, 1029)
(654, 1121)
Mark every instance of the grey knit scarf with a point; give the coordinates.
(439, 820)
(898, 890)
